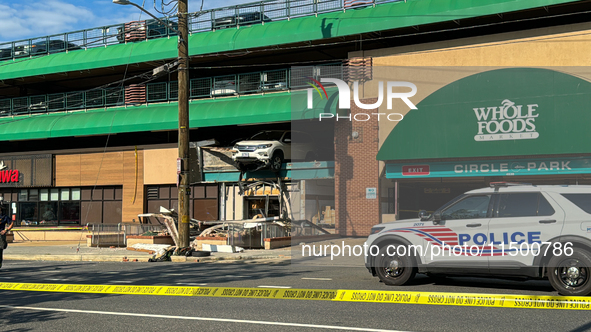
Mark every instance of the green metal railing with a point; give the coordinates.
(217, 86)
(262, 12)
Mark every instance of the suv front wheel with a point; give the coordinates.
(570, 275)
(276, 161)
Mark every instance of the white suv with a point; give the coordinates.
(508, 230)
(271, 147)
(268, 147)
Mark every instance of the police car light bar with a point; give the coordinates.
(508, 184)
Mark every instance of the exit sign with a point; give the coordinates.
(414, 170)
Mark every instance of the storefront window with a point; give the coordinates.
(33, 194)
(44, 195)
(55, 194)
(75, 194)
(28, 214)
(48, 213)
(48, 207)
(65, 195)
(70, 213)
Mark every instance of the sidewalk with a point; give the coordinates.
(68, 251)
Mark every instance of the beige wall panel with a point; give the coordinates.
(101, 169)
(67, 170)
(557, 46)
(160, 166)
(565, 46)
(132, 172)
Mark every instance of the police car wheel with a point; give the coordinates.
(393, 269)
(571, 275)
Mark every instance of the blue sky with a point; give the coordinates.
(21, 19)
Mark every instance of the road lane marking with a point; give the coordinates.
(190, 284)
(210, 319)
(323, 279)
(174, 274)
(121, 281)
(337, 295)
(6, 277)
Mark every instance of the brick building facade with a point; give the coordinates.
(356, 147)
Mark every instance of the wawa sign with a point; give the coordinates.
(8, 176)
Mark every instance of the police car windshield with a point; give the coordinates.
(444, 206)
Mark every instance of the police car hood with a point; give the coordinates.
(410, 221)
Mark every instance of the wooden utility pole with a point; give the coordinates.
(183, 162)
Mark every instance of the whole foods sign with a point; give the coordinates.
(506, 122)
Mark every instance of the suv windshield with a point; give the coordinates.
(267, 136)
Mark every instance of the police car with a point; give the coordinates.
(508, 231)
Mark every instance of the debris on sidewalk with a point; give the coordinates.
(164, 255)
(221, 248)
(157, 249)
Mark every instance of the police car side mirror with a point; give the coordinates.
(436, 218)
(423, 215)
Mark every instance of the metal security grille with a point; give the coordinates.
(173, 93)
(74, 100)
(200, 87)
(334, 71)
(249, 82)
(5, 106)
(114, 96)
(245, 83)
(274, 80)
(20, 105)
(56, 102)
(300, 76)
(224, 85)
(157, 92)
(38, 104)
(95, 98)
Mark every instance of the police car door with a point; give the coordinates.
(521, 221)
(466, 222)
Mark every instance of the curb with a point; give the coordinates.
(143, 258)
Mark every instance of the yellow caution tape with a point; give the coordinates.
(341, 295)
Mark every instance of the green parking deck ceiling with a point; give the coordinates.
(337, 24)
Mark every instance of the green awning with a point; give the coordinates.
(385, 16)
(503, 112)
(203, 113)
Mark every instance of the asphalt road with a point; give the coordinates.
(43, 311)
